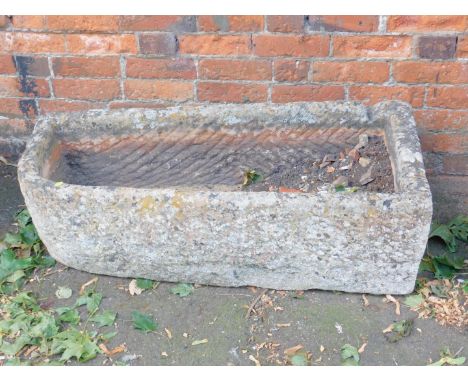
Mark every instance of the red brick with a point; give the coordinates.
(286, 24)
(231, 92)
(28, 22)
(159, 89)
(295, 93)
(32, 66)
(83, 23)
(298, 46)
(86, 66)
(372, 46)
(455, 164)
(448, 143)
(433, 72)
(370, 95)
(177, 68)
(13, 87)
(462, 47)
(91, 89)
(101, 44)
(234, 70)
(10, 107)
(427, 23)
(24, 42)
(344, 23)
(6, 64)
(441, 119)
(3, 22)
(57, 105)
(354, 71)
(448, 97)
(213, 44)
(291, 70)
(437, 47)
(158, 23)
(230, 23)
(13, 127)
(158, 43)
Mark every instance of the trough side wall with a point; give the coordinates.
(73, 63)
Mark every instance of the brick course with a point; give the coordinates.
(70, 63)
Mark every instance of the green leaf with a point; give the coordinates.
(250, 177)
(69, 315)
(144, 283)
(29, 234)
(63, 293)
(459, 227)
(400, 329)
(299, 360)
(451, 259)
(443, 232)
(450, 361)
(9, 263)
(74, 343)
(143, 322)
(23, 218)
(349, 355)
(414, 301)
(182, 289)
(91, 299)
(340, 188)
(107, 336)
(107, 318)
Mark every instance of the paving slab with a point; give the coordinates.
(315, 319)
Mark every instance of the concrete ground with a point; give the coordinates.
(281, 319)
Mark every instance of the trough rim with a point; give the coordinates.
(411, 168)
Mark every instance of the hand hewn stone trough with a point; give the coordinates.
(156, 194)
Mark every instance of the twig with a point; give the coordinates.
(254, 302)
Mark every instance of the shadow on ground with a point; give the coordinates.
(281, 320)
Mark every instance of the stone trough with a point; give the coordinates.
(157, 194)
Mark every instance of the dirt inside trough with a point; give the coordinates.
(365, 166)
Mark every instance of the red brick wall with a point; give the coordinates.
(60, 63)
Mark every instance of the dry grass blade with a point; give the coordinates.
(254, 360)
(87, 284)
(293, 350)
(118, 349)
(254, 302)
(395, 301)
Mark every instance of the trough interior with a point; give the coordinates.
(190, 157)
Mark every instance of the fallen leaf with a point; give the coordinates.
(395, 301)
(299, 360)
(63, 293)
(398, 330)
(362, 348)
(365, 300)
(254, 360)
(199, 342)
(293, 350)
(87, 284)
(143, 322)
(322, 348)
(349, 355)
(133, 289)
(118, 349)
(414, 301)
(182, 289)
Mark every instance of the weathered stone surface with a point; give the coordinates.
(219, 235)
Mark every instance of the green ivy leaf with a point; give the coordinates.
(414, 300)
(107, 318)
(74, 343)
(443, 232)
(144, 283)
(91, 299)
(182, 289)
(399, 330)
(143, 322)
(459, 227)
(69, 315)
